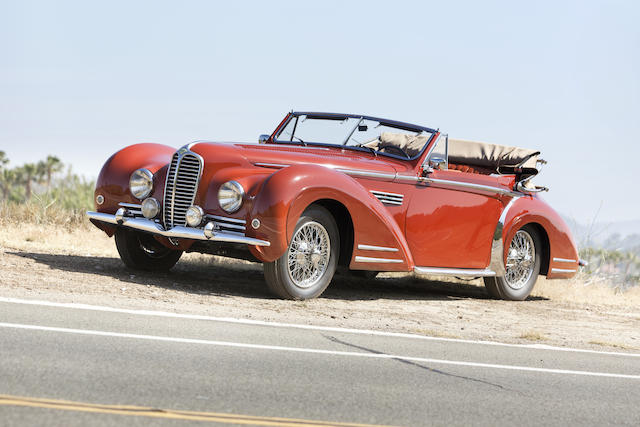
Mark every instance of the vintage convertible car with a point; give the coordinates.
(326, 190)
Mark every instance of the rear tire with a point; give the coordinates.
(140, 251)
(522, 267)
(307, 267)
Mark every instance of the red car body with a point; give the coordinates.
(391, 215)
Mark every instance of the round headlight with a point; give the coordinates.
(230, 196)
(141, 183)
(150, 208)
(194, 216)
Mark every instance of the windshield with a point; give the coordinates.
(355, 132)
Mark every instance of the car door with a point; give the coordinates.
(451, 217)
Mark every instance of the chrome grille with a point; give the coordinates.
(388, 198)
(180, 189)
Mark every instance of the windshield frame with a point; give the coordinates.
(295, 115)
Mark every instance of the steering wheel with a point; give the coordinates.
(392, 148)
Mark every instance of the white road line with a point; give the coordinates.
(297, 326)
(314, 351)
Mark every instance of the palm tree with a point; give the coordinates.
(3, 159)
(4, 175)
(51, 166)
(27, 172)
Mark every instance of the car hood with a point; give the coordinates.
(285, 154)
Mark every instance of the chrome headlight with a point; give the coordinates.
(150, 208)
(230, 196)
(141, 183)
(194, 216)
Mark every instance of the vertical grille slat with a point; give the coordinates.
(181, 186)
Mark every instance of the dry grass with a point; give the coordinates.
(37, 212)
(584, 289)
(533, 336)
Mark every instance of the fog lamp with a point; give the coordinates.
(194, 216)
(150, 208)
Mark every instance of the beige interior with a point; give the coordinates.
(410, 144)
(468, 156)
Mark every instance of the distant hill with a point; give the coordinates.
(620, 235)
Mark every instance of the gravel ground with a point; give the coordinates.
(82, 266)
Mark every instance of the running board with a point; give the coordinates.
(465, 272)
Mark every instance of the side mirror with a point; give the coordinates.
(435, 163)
(263, 138)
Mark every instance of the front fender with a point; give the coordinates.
(287, 193)
(113, 180)
(530, 209)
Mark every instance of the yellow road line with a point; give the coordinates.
(140, 411)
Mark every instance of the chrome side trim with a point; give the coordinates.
(377, 248)
(497, 246)
(272, 165)
(177, 232)
(464, 272)
(562, 270)
(571, 261)
(368, 174)
(367, 259)
(460, 184)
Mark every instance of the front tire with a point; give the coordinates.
(140, 251)
(522, 267)
(307, 267)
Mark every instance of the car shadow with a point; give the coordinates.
(228, 278)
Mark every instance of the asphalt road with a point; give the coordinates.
(70, 365)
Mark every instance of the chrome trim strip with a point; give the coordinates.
(377, 248)
(571, 261)
(562, 270)
(178, 232)
(130, 205)
(272, 165)
(497, 246)
(466, 272)
(366, 259)
(368, 174)
(224, 218)
(460, 184)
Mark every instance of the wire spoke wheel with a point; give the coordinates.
(520, 260)
(308, 255)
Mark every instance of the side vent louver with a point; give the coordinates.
(388, 198)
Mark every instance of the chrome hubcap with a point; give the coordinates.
(308, 255)
(520, 260)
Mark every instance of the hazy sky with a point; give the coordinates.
(82, 79)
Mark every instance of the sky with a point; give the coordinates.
(81, 80)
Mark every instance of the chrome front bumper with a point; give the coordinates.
(208, 233)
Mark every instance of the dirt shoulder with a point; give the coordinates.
(82, 266)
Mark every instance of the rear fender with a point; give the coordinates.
(533, 210)
(287, 193)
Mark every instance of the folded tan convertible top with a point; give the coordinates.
(490, 155)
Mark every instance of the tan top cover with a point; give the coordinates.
(490, 155)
